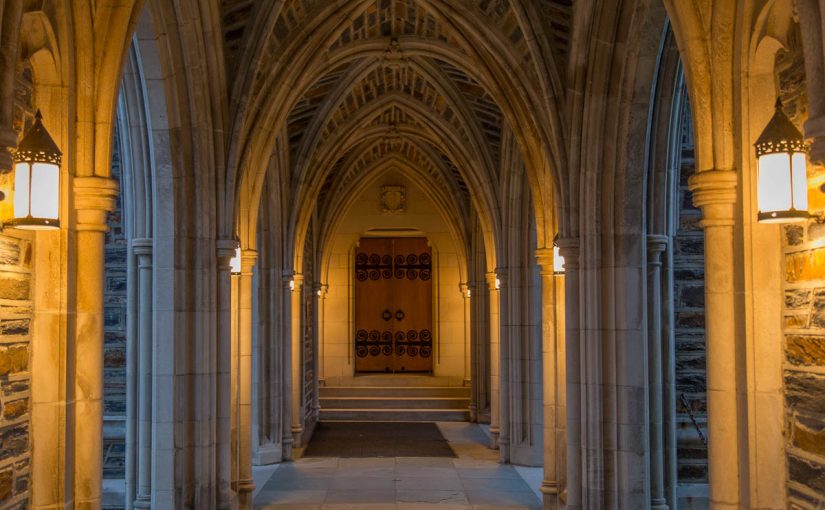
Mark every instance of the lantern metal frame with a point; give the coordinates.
(782, 136)
(37, 146)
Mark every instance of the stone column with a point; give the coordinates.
(284, 338)
(246, 484)
(468, 358)
(322, 297)
(223, 366)
(810, 22)
(714, 192)
(143, 250)
(94, 197)
(296, 351)
(318, 295)
(505, 357)
(656, 245)
(553, 383)
(10, 17)
(472, 353)
(495, 357)
(572, 492)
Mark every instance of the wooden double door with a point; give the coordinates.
(393, 305)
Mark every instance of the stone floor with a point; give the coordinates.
(474, 480)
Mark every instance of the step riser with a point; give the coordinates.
(366, 391)
(377, 415)
(390, 403)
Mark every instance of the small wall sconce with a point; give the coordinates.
(558, 261)
(292, 284)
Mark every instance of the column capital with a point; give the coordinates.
(93, 199)
(493, 280)
(298, 281)
(248, 260)
(226, 249)
(657, 243)
(465, 290)
(569, 249)
(546, 261)
(714, 192)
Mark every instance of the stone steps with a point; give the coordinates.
(394, 403)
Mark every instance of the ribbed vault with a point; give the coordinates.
(428, 82)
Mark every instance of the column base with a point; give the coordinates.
(473, 412)
(658, 504)
(142, 502)
(297, 437)
(494, 436)
(267, 454)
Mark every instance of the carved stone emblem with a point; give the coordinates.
(393, 199)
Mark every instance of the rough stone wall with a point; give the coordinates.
(804, 367)
(689, 316)
(114, 367)
(15, 337)
(15, 380)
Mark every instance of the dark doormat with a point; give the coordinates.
(377, 439)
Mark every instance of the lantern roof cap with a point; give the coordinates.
(780, 135)
(38, 145)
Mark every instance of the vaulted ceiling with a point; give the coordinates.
(405, 101)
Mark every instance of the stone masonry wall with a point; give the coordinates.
(804, 367)
(114, 368)
(689, 310)
(15, 380)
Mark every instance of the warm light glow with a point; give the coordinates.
(235, 262)
(291, 284)
(469, 292)
(498, 283)
(36, 195)
(319, 292)
(782, 188)
(558, 261)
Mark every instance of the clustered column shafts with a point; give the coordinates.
(296, 357)
(714, 192)
(226, 498)
(246, 483)
(143, 250)
(553, 384)
(656, 245)
(94, 197)
(569, 249)
(468, 359)
(495, 359)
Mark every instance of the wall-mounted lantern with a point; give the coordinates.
(782, 155)
(37, 180)
(292, 284)
(235, 262)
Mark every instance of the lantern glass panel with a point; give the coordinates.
(800, 181)
(45, 190)
(774, 182)
(558, 260)
(21, 190)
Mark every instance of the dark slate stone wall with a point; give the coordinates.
(114, 361)
(689, 310)
(15, 380)
(804, 367)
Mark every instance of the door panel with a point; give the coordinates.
(393, 305)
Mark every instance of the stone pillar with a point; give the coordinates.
(143, 251)
(504, 369)
(810, 22)
(246, 484)
(714, 192)
(322, 297)
(94, 197)
(572, 493)
(297, 407)
(223, 362)
(318, 294)
(10, 17)
(656, 245)
(468, 358)
(553, 383)
(472, 353)
(284, 338)
(495, 357)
